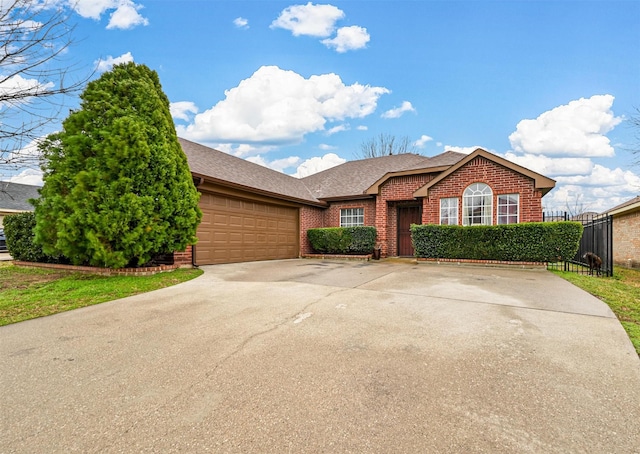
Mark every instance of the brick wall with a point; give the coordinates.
(626, 240)
(499, 178)
(332, 214)
(183, 258)
(397, 189)
(310, 218)
(382, 212)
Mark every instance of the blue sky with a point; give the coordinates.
(300, 86)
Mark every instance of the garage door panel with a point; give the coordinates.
(237, 230)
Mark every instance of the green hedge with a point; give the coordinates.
(527, 242)
(18, 229)
(343, 240)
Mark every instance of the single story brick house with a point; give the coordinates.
(251, 212)
(626, 233)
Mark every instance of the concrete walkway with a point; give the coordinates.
(318, 356)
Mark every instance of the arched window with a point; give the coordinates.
(477, 205)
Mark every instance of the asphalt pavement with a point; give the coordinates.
(310, 356)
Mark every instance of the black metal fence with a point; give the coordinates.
(595, 254)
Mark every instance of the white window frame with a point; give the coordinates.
(449, 211)
(506, 207)
(477, 205)
(352, 217)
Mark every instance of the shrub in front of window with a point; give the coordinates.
(529, 242)
(342, 240)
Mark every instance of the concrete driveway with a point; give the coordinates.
(333, 357)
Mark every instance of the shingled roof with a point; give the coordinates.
(219, 166)
(15, 196)
(350, 180)
(353, 178)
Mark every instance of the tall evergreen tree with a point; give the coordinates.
(117, 187)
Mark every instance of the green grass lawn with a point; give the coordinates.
(27, 293)
(621, 292)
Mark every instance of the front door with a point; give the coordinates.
(407, 215)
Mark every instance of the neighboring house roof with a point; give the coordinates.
(541, 182)
(217, 166)
(629, 205)
(15, 196)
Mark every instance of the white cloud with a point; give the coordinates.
(552, 166)
(93, 9)
(465, 150)
(241, 22)
(109, 62)
(278, 106)
(181, 110)
(348, 38)
(613, 179)
(421, 142)
(240, 150)
(326, 147)
(338, 128)
(398, 111)
(309, 19)
(575, 129)
(27, 176)
(362, 128)
(125, 15)
(567, 197)
(318, 164)
(21, 90)
(277, 164)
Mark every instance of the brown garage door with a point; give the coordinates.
(238, 230)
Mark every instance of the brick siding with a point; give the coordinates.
(310, 218)
(397, 191)
(626, 239)
(500, 179)
(183, 259)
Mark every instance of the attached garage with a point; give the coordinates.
(240, 230)
(249, 212)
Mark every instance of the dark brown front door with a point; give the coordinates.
(407, 215)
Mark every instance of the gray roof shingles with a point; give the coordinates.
(352, 178)
(224, 167)
(15, 196)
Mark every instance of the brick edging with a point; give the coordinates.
(365, 257)
(142, 271)
(484, 262)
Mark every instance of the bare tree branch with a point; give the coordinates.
(385, 145)
(634, 123)
(34, 76)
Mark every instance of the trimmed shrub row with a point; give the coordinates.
(343, 240)
(528, 242)
(19, 231)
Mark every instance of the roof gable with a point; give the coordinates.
(437, 163)
(541, 182)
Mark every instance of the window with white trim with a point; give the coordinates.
(351, 217)
(508, 208)
(449, 211)
(477, 205)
